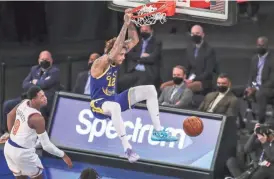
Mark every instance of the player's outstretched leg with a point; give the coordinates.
(114, 110)
(149, 93)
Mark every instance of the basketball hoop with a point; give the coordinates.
(150, 13)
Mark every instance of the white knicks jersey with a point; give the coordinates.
(21, 133)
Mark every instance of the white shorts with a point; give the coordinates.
(23, 162)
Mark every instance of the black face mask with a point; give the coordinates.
(196, 39)
(177, 80)
(90, 65)
(222, 89)
(261, 50)
(45, 64)
(145, 35)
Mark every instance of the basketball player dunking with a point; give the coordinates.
(106, 103)
(25, 125)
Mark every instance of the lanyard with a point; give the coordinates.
(261, 157)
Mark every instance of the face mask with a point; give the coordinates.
(145, 35)
(177, 80)
(90, 65)
(196, 39)
(261, 50)
(222, 89)
(45, 64)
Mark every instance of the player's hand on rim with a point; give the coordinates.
(67, 160)
(128, 11)
(127, 17)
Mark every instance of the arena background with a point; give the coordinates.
(77, 29)
(76, 36)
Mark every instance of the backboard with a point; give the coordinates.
(219, 12)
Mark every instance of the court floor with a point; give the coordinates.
(56, 169)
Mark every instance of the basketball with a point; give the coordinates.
(193, 126)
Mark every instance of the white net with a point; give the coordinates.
(150, 19)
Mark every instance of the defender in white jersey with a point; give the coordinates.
(26, 125)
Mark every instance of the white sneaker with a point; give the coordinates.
(132, 156)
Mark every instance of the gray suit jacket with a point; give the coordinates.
(183, 96)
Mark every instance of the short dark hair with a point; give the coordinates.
(89, 173)
(224, 75)
(33, 91)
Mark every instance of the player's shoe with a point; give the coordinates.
(163, 135)
(132, 156)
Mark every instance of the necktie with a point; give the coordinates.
(196, 52)
(144, 46)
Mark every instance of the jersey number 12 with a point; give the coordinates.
(111, 80)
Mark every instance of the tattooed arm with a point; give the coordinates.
(133, 37)
(100, 64)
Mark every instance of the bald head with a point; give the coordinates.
(197, 34)
(262, 45)
(45, 59)
(197, 30)
(262, 41)
(45, 54)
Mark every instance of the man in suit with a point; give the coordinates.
(261, 79)
(222, 101)
(82, 85)
(45, 75)
(142, 62)
(200, 63)
(178, 95)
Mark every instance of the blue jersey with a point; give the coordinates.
(103, 89)
(105, 85)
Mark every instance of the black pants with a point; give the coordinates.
(264, 173)
(262, 97)
(235, 167)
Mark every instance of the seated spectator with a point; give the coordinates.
(82, 85)
(177, 95)
(252, 151)
(263, 160)
(89, 174)
(222, 101)
(264, 140)
(261, 80)
(142, 62)
(200, 63)
(45, 75)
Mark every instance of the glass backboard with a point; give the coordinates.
(220, 12)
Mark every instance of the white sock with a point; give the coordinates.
(125, 142)
(153, 108)
(115, 110)
(148, 93)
